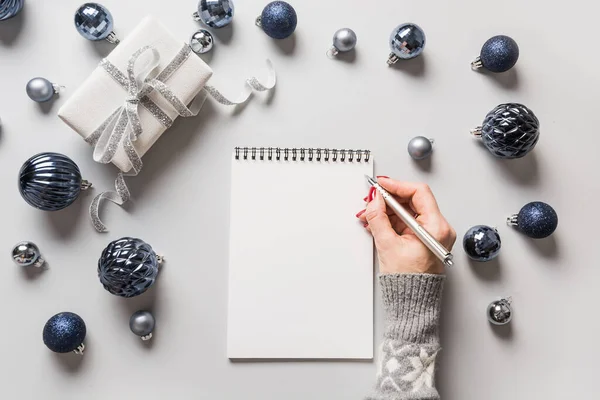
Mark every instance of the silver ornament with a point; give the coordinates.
(500, 312)
(343, 40)
(41, 90)
(420, 147)
(201, 42)
(142, 324)
(26, 254)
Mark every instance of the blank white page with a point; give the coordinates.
(301, 264)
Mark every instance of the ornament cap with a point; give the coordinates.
(477, 132)
(80, 349)
(392, 59)
(513, 220)
(258, 21)
(147, 337)
(85, 184)
(332, 52)
(477, 63)
(160, 259)
(112, 38)
(196, 16)
(39, 263)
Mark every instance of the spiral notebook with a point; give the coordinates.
(300, 263)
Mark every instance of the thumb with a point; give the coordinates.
(378, 220)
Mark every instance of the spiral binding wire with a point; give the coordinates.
(301, 154)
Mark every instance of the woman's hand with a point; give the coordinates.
(399, 250)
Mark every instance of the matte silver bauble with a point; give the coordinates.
(142, 324)
(343, 40)
(26, 254)
(500, 312)
(41, 90)
(201, 41)
(420, 147)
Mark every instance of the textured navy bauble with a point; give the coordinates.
(50, 181)
(537, 220)
(510, 131)
(499, 54)
(128, 267)
(482, 243)
(279, 19)
(64, 332)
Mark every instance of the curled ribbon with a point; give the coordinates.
(122, 128)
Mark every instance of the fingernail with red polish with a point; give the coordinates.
(372, 194)
(360, 213)
(365, 225)
(383, 176)
(366, 197)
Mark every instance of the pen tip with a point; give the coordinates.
(370, 180)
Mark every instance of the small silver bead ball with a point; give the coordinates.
(344, 39)
(26, 254)
(40, 90)
(142, 324)
(500, 312)
(201, 41)
(420, 147)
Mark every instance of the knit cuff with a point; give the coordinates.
(412, 303)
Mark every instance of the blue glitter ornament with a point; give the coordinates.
(94, 22)
(128, 267)
(406, 41)
(482, 243)
(278, 20)
(10, 8)
(65, 333)
(50, 181)
(215, 13)
(509, 131)
(498, 54)
(537, 220)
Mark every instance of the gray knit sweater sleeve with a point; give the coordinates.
(411, 344)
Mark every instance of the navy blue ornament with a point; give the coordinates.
(499, 54)
(128, 267)
(509, 131)
(94, 22)
(537, 220)
(65, 333)
(215, 13)
(406, 41)
(50, 181)
(482, 243)
(10, 8)
(278, 20)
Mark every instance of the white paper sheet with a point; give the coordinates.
(301, 265)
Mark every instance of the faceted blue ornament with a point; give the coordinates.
(94, 22)
(482, 243)
(50, 181)
(278, 20)
(128, 267)
(65, 332)
(216, 13)
(407, 41)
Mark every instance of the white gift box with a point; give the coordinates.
(100, 95)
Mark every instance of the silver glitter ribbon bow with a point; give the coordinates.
(122, 128)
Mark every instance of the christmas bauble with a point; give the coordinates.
(215, 13)
(94, 22)
(420, 147)
(50, 181)
(500, 312)
(128, 267)
(343, 40)
(142, 324)
(10, 8)
(407, 41)
(482, 243)
(41, 90)
(509, 131)
(278, 20)
(201, 41)
(499, 54)
(64, 333)
(537, 220)
(26, 254)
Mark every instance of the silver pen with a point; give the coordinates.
(436, 247)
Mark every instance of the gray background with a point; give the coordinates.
(181, 198)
